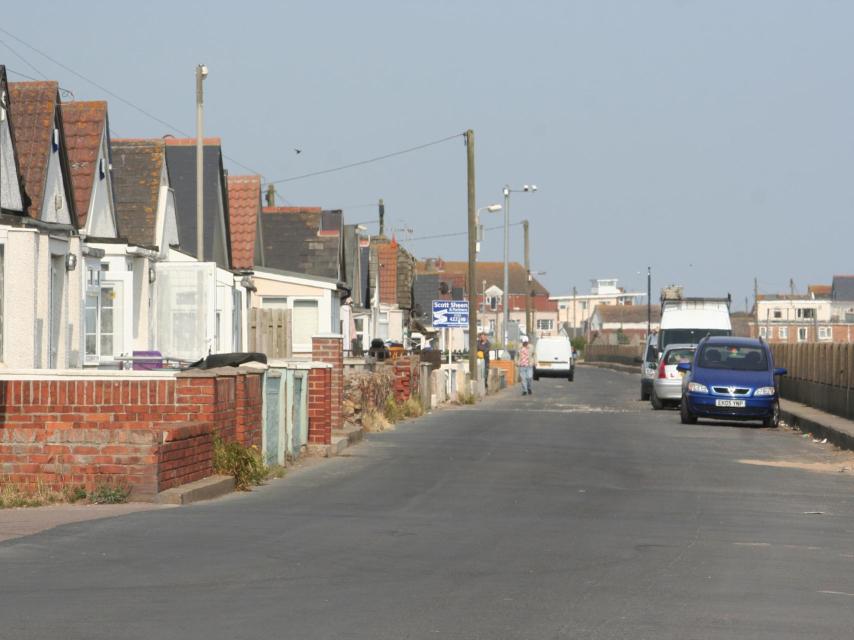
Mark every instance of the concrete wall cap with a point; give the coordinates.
(339, 336)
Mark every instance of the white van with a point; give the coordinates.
(689, 320)
(553, 358)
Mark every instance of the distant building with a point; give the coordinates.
(825, 313)
(622, 324)
(576, 309)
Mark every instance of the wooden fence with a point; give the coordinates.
(620, 354)
(819, 375)
(270, 332)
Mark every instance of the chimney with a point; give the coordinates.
(271, 195)
(382, 218)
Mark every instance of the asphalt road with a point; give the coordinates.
(575, 513)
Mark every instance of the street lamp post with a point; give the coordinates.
(201, 74)
(506, 297)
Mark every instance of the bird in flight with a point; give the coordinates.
(298, 151)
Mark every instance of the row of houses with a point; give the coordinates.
(825, 313)
(99, 258)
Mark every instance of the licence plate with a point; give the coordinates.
(730, 403)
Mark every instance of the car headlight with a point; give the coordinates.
(696, 387)
(765, 391)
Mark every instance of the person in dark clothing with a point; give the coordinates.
(483, 346)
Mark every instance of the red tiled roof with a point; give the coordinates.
(33, 106)
(293, 209)
(628, 313)
(492, 272)
(244, 206)
(820, 289)
(83, 123)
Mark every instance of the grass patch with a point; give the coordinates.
(392, 410)
(374, 421)
(11, 496)
(413, 408)
(109, 494)
(244, 463)
(465, 397)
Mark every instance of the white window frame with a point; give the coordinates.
(803, 334)
(763, 332)
(825, 333)
(783, 333)
(287, 302)
(545, 324)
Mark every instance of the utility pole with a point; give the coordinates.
(472, 227)
(271, 195)
(505, 298)
(756, 303)
(529, 285)
(648, 301)
(574, 303)
(201, 74)
(382, 217)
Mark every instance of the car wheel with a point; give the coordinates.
(644, 394)
(572, 376)
(684, 414)
(773, 421)
(536, 377)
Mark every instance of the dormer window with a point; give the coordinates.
(102, 169)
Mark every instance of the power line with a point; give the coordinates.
(114, 95)
(461, 233)
(25, 61)
(368, 161)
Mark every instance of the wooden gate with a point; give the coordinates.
(270, 332)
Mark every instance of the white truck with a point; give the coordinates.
(689, 320)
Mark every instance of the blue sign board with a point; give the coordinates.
(450, 313)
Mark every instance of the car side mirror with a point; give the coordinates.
(684, 367)
(781, 371)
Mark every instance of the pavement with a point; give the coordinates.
(26, 521)
(577, 512)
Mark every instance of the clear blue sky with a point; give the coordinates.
(712, 140)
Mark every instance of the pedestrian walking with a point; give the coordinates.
(525, 363)
(483, 347)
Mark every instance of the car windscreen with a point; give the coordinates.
(687, 336)
(675, 356)
(733, 357)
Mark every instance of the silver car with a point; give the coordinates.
(667, 385)
(648, 366)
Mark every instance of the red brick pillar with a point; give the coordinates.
(319, 409)
(329, 348)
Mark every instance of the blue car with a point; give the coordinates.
(731, 379)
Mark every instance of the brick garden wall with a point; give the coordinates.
(406, 371)
(330, 349)
(319, 406)
(149, 434)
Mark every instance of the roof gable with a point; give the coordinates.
(11, 196)
(86, 134)
(35, 109)
(244, 208)
(181, 165)
(303, 240)
(138, 174)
